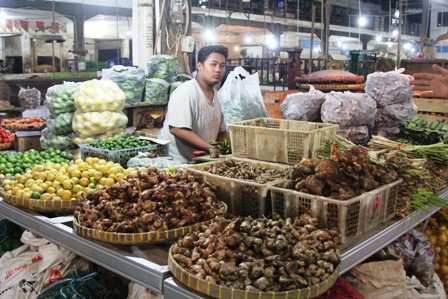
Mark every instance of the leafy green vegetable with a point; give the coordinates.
(130, 80)
(156, 91)
(421, 132)
(162, 67)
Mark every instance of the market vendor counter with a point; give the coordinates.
(147, 265)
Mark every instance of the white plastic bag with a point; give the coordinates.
(130, 79)
(29, 97)
(30, 268)
(240, 97)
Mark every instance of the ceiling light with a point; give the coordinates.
(378, 38)
(362, 21)
(55, 39)
(397, 14)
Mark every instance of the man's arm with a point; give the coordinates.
(190, 137)
(432, 85)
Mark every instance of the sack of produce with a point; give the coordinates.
(130, 79)
(173, 87)
(29, 97)
(85, 140)
(61, 98)
(357, 135)
(396, 114)
(61, 124)
(162, 67)
(148, 160)
(183, 78)
(303, 106)
(60, 142)
(93, 123)
(388, 88)
(349, 109)
(99, 95)
(240, 97)
(156, 92)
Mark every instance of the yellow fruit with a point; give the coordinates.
(77, 188)
(119, 176)
(111, 176)
(66, 195)
(21, 179)
(108, 182)
(36, 188)
(85, 174)
(76, 173)
(39, 168)
(20, 193)
(68, 185)
(21, 186)
(83, 166)
(84, 181)
(43, 186)
(97, 175)
(46, 196)
(51, 190)
(102, 180)
(59, 191)
(7, 187)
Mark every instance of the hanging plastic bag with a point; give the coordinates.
(156, 92)
(29, 97)
(130, 79)
(240, 97)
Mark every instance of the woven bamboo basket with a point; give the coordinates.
(138, 238)
(44, 206)
(218, 291)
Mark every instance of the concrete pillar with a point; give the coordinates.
(26, 53)
(142, 31)
(79, 45)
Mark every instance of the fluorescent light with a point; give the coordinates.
(248, 39)
(407, 46)
(397, 14)
(209, 35)
(362, 21)
(378, 38)
(395, 32)
(236, 48)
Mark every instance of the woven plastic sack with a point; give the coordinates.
(341, 290)
(61, 98)
(162, 67)
(130, 79)
(29, 97)
(303, 106)
(99, 95)
(388, 88)
(348, 109)
(156, 92)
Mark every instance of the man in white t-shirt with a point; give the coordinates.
(194, 114)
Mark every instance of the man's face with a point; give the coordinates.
(212, 70)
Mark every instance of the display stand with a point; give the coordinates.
(146, 265)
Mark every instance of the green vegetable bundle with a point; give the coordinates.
(162, 67)
(60, 98)
(156, 91)
(421, 132)
(131, 80)
(61, 124)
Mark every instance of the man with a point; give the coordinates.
(432, 85)
(194, 114)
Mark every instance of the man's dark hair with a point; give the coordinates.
(206, 51)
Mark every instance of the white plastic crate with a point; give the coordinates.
(242, 197)
(351, 217)
(279, 140)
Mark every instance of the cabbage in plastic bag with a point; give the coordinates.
(94, 123)
(99, 95)
(388, 88)
(61, 124)
(162, 67)
(130, 79)
(61, 98)
(349, 109)
(156, 92)
(303, 106)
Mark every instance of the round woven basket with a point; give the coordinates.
(5, 146)
(218, 291)
(138, 238)
(44, 206)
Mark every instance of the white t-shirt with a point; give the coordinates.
(189, 108)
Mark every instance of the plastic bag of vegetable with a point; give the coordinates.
(147, 160)
(61, 142)
(130, 79)
(358, 135)
(348, 109)
(99, 95)
(29, 97)
(93, 123)
(183, 77)
(389, 87)
(156, 92)
(61, 98)
(162, 67)
(85, 140)
(173, 87)
(61, 124)
(240, 97)
(303, 106)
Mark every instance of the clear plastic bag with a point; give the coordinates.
(61, 98)
(388, 88)
(61, 142)
(349, 109)
(240, 97)
(85, 140)
(130, 79)
(61, 124)
(358, 135)
(303, 106)
(156, 92)
(93, 123)
(147, 160)
(162, 67)
(99, 95)
(29, 97)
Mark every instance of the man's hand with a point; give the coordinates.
(190, 137)
(432, 85)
